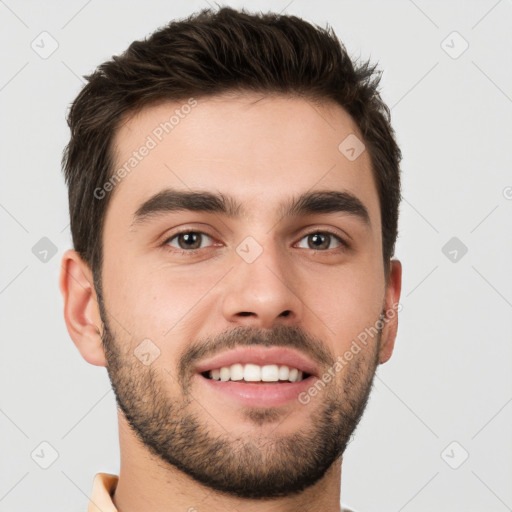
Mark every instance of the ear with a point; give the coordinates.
(391, 309)
(81, 310)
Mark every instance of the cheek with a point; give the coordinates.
(170, 299)
(163, 305)
(347, 300)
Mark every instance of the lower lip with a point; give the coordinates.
(260, 395)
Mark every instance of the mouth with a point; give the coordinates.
(257, 376)
(267, 374)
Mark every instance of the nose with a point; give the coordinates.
(263, 292)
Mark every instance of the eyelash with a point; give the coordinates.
(192, 252)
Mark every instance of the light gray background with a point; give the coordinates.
(450, 376)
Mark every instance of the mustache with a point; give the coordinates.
(279, 336)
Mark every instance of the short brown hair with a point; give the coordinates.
(209, 53)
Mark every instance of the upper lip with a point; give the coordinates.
(261, 356)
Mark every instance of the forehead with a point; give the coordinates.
(258, 148)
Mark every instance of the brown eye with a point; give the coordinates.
(187, 240)
(321, 240)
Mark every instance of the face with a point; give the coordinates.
(229, 305)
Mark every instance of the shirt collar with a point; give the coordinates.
(103, 488)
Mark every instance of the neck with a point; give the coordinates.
(148, 483)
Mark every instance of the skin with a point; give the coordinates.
(261, 150)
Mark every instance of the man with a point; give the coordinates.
(234, 191)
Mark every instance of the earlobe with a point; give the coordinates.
(391, 309)
(81, 310)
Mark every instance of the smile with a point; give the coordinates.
(256, 373)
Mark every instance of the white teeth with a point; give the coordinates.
(252, 373)
(237, 372)
(284, 372)
(270, 373)
(255, 373)
(224, 374)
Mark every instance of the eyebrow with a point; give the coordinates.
(323, 201)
